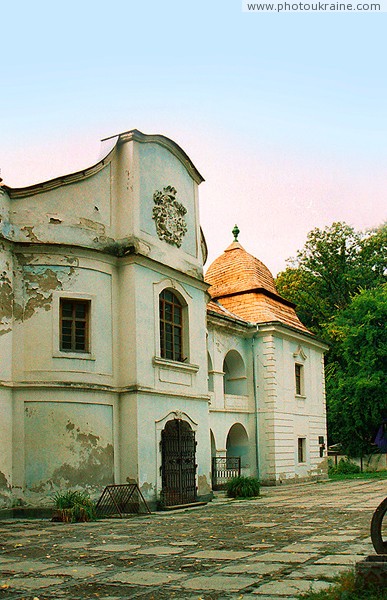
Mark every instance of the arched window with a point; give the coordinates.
(171, 326)
(234, 374)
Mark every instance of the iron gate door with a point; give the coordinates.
(178, 466)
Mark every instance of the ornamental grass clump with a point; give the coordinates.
(73, 507)
(243, 487)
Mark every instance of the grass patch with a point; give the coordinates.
(365, 475)
(346, 589)
(243, 487)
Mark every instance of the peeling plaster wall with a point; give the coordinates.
(128, 438)
(5, 228)
(6, 339)
(6, 311)
(5, 446)
(41, 279)
(78, 213)
(68, 445)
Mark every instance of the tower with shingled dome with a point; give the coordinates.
(270, 370)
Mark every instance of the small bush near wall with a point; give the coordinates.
(242, 487)
(344, 467)
(73, 506)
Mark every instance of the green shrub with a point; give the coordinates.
(347, 588)
(74, 506)
(242, 487)
(344, 467)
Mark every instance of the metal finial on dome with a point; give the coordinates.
(235, 233)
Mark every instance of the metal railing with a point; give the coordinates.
(224, 468)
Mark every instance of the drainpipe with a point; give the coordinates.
(255, 400)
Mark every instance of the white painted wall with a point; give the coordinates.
(283, 416)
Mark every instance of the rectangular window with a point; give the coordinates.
(171, 317)
(321, 443)
(299, 376)
(301, 450)
(74, 325)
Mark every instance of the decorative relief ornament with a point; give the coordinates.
(169, 216)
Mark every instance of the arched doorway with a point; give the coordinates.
(178, 467)
(238, 444)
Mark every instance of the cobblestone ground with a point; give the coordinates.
(290, 540)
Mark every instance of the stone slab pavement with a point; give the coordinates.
(288, 541)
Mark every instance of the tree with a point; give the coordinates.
(334, 265)
(373, 256)
(357, 383)
(337, 282)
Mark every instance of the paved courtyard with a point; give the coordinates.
(292, 539)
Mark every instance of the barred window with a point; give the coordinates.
(171, 325)
(74, 325)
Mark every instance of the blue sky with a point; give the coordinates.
(283, 114)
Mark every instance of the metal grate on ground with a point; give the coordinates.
(121, 500)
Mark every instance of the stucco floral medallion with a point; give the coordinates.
(168, 215)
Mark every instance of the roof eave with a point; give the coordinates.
(230, 319)
(51, 184)
(134, 134)
(257, 290)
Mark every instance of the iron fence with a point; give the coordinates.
(224, 468)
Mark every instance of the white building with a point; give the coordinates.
(114, 369)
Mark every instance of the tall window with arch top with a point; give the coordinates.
(171, 326)
(234, 379)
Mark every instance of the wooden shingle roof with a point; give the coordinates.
(236, 271)
(244, 287)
